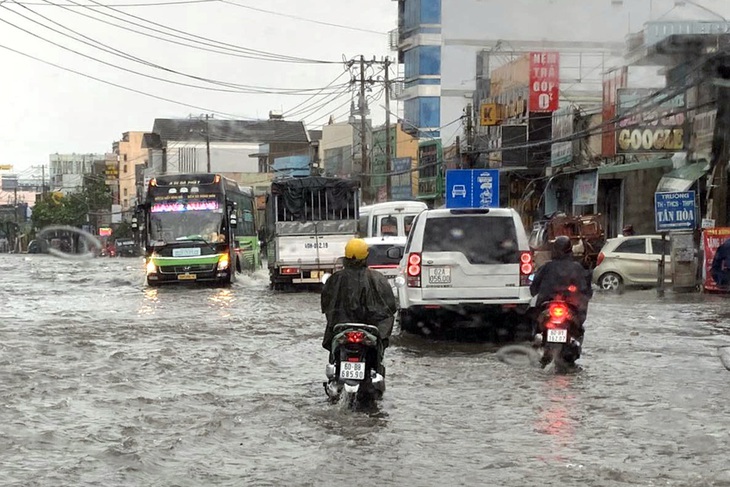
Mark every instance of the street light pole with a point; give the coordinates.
(207, 141)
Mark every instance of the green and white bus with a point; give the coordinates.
(197, 228)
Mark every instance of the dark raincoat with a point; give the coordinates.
(357, 294)
(554, 278)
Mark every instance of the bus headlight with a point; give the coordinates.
(224, 262)
(151, 267)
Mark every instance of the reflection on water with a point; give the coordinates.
(222, 297)
(557, 417)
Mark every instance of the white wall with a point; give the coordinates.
(224, 157)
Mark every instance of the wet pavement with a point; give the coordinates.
(104, 381)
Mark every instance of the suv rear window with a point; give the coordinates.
(482, 239)
(377, 255)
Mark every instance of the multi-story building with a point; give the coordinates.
(438, 43)
(67, 171)
(131, 158)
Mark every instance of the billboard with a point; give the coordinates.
(514, 136)
(562, 152)
(544, 81)
(612, 82)
(646, 126)
(712, 238)
(401, 183)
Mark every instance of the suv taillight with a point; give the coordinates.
(601, 256)
(413, 271)
(527, 266)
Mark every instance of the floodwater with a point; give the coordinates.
(104, 381)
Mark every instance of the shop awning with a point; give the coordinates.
(636, 166)
(683, 178)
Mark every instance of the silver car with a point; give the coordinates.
(630, 261)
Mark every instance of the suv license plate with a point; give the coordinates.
(352, 370)
(439, 275)
(557, 336)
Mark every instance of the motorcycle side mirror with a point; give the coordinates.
(394, 253)
(325, 277)
(531, 277)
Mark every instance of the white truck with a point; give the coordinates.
(309, 220)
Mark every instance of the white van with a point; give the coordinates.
(389, 219)
(465, 268)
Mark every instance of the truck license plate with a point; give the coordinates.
(187, 277)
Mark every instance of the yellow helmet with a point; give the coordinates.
(356, 249)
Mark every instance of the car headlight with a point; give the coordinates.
(224, 262)
(151, 267)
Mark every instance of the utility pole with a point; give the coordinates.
(388, 165)
(721, 147)
(43, 179)
(207, 141)
(469, 137)
(363, 131)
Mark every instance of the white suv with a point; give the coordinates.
(465, 268)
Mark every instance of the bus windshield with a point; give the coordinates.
(189, 225)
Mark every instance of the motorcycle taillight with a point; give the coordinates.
(558, 311)
(355, 336)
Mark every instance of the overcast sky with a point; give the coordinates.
(47, 109)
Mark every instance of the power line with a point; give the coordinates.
(126, 88)
(151, 4)
(205, 41)
(303, 19)
(108, 49)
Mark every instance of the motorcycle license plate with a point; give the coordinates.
(557, 336)
(352, 370)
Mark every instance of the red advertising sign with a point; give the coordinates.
(712, 238)
(544, 81)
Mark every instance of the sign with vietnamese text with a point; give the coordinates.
(6, 167)
(712, 238)
(544, 81)
(647, 126)
(675, 211)
(472, 188)
(585, 189)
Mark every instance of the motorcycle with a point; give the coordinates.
(355, 369)
(561, 334)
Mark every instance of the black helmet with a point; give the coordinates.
(562, 246)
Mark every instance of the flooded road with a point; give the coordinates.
(104, 381)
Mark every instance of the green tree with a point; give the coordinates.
(72, 209)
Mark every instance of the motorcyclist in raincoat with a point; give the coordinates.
(555, 279)
(357, 294)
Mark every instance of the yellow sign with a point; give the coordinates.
(6, 167)
(488, 114)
